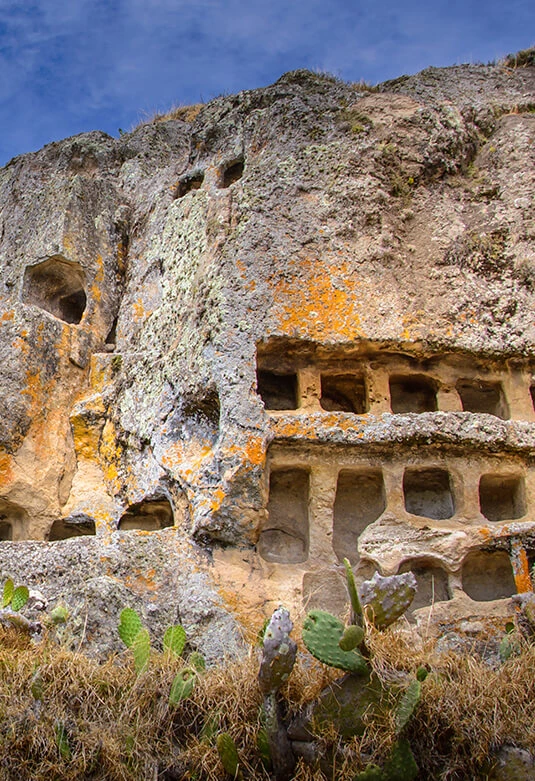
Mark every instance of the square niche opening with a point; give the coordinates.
(277, 391)
(484, 397)
(412, 393)
(360, 500)
(284, 536)
(488, 575)
(428, 493)
(343, 393)
(432, 583)
(502, 497)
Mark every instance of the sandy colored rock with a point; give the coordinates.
(292, 326)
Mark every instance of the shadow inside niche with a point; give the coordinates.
(149, 515)
(56, 285)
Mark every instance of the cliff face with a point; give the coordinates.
(284, 327)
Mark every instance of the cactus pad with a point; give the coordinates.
(321, 635)
(352, 637)
(228, 754)
(20, 596)
(408, 702)
(356, 608)
(182, 685)
(59, 614)
(129, 626)
(141, 650)
(385, 599)
(401, 766)
(197, 661)
(9, 588)
(174, 639)
(278, 652)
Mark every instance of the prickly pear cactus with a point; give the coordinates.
(174, 639)
(197, 661)
(141, 650)
(278, 658)
(356, 608)
(7, 595)
(385, 599)
(401, 766)
(129, 626)
(228, 753)
(352, 637)
(408, 702)
(15, 598)
(182, 685)
(20, 597)
(278, 652)
(322, 633)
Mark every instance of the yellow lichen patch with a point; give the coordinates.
(86, 437)
(96, 287)
(7, 316)
(216, 499)
(317, 301)
(139, 311)
(110, 452)
(6, 472)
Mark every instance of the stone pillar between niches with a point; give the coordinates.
(378, 389)
(393, 480)
(323, 481)
(516, 387)
(448, 400)
(309, 389)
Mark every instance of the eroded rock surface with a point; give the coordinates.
(288, 326)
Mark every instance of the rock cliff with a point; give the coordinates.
(259, 335)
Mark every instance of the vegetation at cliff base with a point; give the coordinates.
(66, 716)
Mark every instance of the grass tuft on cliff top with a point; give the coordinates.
(65, 716)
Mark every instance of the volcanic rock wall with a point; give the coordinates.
(265, 333)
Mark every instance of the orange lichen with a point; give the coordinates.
(316, 300)
(521, 571)
(141, 582)
(252, 452)
(216, 499)
(139, 311)
(6, 471)
(7, 316)
(187, 458)
(110, 452)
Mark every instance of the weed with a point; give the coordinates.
(521, 59)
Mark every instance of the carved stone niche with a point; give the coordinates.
(488, 575)
(344, 393)
(484, 397)
(428, 492)
(360, 500)
(412, 393)
(149, 515)
(56, 285)
(431, 579)
(277, 391)
(13, 521)
(284, 537)
(502, 497)
(74, 526)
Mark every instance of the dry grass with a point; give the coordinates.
(120, 727)
(184, 113)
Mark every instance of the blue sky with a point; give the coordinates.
(67, 66)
